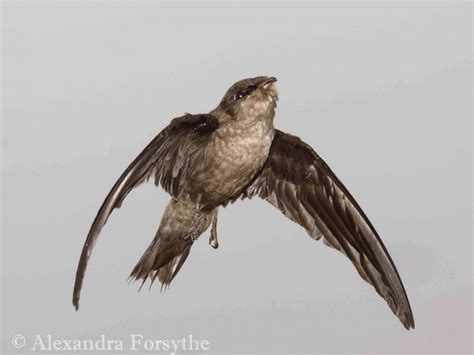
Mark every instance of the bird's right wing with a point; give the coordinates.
(301, 185)
(166, 159)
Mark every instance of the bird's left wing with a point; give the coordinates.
(167, 158)
(300, 184)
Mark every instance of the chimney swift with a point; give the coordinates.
(205, 161)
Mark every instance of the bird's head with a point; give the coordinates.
(250, 99)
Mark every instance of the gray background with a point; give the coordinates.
(381, 90)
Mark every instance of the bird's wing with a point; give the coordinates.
(166, 158)
(300, 184)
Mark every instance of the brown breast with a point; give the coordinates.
(236, 152)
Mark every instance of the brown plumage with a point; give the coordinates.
(206, 161)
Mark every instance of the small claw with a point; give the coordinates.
(214, 243)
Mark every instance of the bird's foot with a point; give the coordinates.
(213, 239)
(213, 242)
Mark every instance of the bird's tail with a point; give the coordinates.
(168, 272)
(180, 226)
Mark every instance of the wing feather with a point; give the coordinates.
(301, 185)
(166, 159)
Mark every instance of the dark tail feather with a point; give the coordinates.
(163, 259)
(150, 267)
(168, 272)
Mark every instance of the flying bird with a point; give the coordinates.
(206, 161)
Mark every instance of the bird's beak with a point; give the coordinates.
(268, 82)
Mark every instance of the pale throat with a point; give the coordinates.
(255, 112)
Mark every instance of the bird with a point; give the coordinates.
(207, 161)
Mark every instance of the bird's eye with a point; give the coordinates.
(239, 95)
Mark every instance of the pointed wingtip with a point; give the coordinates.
(75, 298)
(407, 320)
